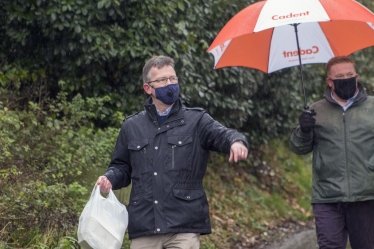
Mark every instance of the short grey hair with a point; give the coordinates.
(156, 61)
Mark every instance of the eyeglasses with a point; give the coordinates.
(164, 81)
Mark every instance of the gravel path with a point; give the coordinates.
(303, 240)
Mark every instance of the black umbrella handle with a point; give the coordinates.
(306, 107)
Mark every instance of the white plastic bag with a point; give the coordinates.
(103, 222)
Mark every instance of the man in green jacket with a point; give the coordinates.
(339, 130)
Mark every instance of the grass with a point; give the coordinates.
(248, 200)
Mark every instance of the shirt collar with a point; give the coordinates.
(349, 101)
(166, 112)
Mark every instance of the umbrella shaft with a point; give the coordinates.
(306, 107)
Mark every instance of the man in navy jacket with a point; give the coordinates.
(163, 151)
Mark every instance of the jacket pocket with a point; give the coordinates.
(188, 194)
(141, 217)
(138, 156)
(329, 188)
(187, 210)
(181, 152)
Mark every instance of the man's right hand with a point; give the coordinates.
(306, 120)
(104, 183)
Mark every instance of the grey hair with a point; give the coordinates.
(156, 61)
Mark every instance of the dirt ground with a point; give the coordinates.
(290, 235)
(284, 233)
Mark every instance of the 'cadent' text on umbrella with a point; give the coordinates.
(291, 15)
(313, 50)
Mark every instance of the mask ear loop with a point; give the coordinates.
(153, 88)
(332, 82)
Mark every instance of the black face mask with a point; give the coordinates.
(345, 88)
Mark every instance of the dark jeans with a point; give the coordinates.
(336, 221)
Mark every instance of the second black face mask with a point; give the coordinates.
(345, 88)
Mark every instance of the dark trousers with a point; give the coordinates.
(336, 221)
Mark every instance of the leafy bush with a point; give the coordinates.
(99, 48)
(43, 153)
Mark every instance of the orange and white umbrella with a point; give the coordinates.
(275, 34)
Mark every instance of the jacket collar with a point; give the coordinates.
(175, 112)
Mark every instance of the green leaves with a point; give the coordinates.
(105, 3)
(99, 48)
(43, 155)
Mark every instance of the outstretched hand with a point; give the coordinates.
(238, 152)
(104, 183)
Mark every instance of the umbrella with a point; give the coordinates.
(275, 34)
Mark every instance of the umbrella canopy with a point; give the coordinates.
(275, 34)
(260, 36)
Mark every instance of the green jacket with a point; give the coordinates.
(343, 149)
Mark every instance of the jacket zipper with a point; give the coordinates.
(145, 159)
(346, 156)
(172, 156)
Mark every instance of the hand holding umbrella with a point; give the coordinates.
(307, 122)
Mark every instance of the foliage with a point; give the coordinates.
(99, 48)
(42, 155)
(245, 203)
